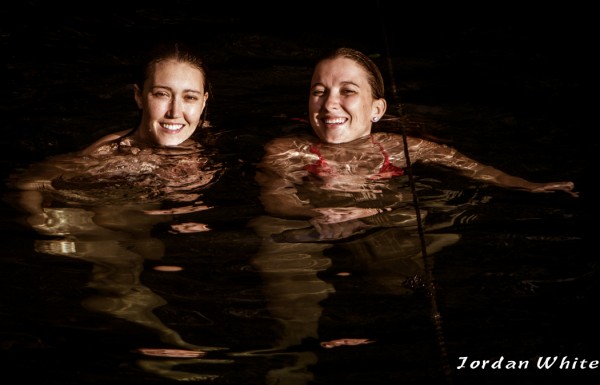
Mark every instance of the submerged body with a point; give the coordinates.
(122, 175)
(355, 175)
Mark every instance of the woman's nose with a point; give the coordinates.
(175, 108)
(331, 101)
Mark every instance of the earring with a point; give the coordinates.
(375, 119)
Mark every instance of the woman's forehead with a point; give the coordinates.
(168, 71)
(339, 70)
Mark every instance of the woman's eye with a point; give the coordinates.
(191, 98)
(318, 92)
(161, 94)
(348, 92)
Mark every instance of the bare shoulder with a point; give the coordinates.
(91, 149)
(287, 143)
(391, 142)
(416, 143)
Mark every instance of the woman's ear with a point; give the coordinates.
(379, 107)
(205, 99)
(137, 94)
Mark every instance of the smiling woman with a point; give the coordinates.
(171, 91)
(171, 95)
(102, 204)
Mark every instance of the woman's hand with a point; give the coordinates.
(550, 187)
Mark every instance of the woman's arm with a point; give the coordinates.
(276, 175)
(92, 148)
(433, 153)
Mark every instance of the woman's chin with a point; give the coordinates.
(171, 142)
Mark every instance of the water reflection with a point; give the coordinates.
(103, 210)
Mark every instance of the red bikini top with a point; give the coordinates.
(321, 166)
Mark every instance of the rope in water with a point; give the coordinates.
(437, 318)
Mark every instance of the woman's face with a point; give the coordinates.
(172, 102)
(341, 107)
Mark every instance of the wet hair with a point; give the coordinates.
(374, 76)
(170, 51)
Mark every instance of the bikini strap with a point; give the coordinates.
(320, 166)
(387, 166)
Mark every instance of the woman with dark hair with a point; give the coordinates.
(158, 157)
(102, 204)
(338, 202)
(171, 93)
(346, 98)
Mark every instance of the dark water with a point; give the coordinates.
(520, 284)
